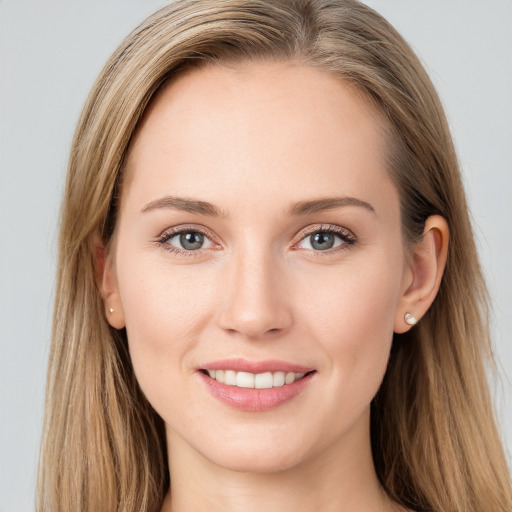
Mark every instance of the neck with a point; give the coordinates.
(340, 478)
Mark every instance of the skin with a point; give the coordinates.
(254, 141)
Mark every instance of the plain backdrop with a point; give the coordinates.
(50, 54)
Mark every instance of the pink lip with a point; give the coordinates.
(243, 365)
(251, 399)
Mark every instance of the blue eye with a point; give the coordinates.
(190, 241)
(326, 238)
(185, 241)
(322, 241)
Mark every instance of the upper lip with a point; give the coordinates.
(244, 365)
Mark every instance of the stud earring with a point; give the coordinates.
(410, 319)
(111, 311)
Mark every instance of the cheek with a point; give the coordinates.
(354, 324)
(165, 310)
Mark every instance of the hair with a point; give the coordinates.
(434, 438)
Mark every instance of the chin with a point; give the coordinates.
(259, 463)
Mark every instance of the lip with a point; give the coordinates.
(252, 399)
(243, 365)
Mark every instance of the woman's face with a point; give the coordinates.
(259, 236)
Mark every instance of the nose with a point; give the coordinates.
(256, 302)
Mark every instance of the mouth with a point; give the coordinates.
(255, 386)
(247, 380)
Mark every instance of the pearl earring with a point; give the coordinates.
(111, 311)
(410, 319)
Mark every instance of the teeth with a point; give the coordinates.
(265, 380)
(290, 377)
(230, 377)
(278, 379)
(244, 380)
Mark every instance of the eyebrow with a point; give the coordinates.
(184, 204)
(300, 208)
(327, 203)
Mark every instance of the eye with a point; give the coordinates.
(185, 241)
(190, 240)
(325, 238)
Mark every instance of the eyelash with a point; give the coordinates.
(346, 236)
(167, 235)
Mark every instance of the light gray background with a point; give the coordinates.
(50, 53)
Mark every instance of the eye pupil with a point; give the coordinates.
(191, 240)
(322, 241)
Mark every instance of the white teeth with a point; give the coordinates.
(290, 377)
(245, 380)
(230, 378)
(278, 379)
(265, 380)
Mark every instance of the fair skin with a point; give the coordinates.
(267, 279)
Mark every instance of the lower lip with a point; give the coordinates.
(252, 399)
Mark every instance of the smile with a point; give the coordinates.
(255, 386)
(265, 380)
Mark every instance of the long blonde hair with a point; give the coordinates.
(434, 438)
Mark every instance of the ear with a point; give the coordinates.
(106, 281)
(426, 267)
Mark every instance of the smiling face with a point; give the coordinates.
(259, 234)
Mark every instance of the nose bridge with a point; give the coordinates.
(256, 298)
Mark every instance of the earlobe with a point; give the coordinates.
(106, 281)
(428, 261)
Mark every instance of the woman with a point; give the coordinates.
(268, 286)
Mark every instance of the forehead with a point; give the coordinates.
(290, 127)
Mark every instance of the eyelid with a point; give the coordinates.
(175, 230)
(345, 234)
(169, 233)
